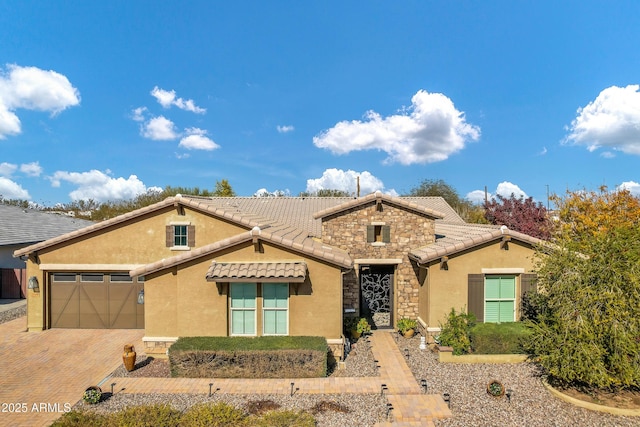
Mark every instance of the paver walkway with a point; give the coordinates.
(410, 406)
(41, 372)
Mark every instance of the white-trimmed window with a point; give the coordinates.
(275, 308)
(180, 236)
(243, 308)
(499, 298)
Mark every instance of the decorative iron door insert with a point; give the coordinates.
(376, 295)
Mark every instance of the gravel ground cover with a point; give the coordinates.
(12, 314)
(361, 409)
(531, 404)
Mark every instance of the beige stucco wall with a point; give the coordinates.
(139, 241)
(445, 289)
(180, 302)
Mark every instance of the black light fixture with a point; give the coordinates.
(423, 384)
(141, 296)
(447, 399)
(406, 353)
(509, 393)
(33, 284)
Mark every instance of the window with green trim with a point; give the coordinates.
(275, 308)
(499, 299)
(243, 308)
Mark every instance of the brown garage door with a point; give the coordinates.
(96, 301)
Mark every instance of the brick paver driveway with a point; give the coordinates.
(44, 373)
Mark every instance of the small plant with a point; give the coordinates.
(92, 395)
(363, 326)
(405, 325)
(495, 388)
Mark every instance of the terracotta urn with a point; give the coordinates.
(129, 357)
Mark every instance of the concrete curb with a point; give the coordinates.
(591, 406)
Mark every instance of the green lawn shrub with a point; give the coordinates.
(498, 338)
(213, 415)
(242, 357)
(455, 332)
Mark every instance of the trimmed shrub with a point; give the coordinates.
(499, 338)
(240, 357)
(214, 415)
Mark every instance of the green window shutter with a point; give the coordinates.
(507, 310)
(275, 301)
(371, 234)
(475, 296)
(243, 322)
(492, 287)
(492, 311)
(386, 234)
(507, 287)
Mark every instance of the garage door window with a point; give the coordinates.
(121, 278)
(64, 277)
(91, 277)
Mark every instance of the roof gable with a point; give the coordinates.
(378, 197)
(277, 236)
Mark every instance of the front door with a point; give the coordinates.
(376, 294)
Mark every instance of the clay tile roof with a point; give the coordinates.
(398, 201)
(452, 238)
(295, 271)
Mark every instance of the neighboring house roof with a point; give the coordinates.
(281, 236)
(452, 238)
(26, 226)
(378, 196)
(295, 271)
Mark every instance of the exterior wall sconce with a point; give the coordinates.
(33, 284)
(141, 296)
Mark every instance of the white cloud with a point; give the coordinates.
(285, 129)
(12, 190)
(31, 88)
(337, 179)
(612, 120)
(607, 155)
(504, 189)
(31, 169)
(7, 169)
(430, 130)
(167, 98)
(543, 151)
(263, 192)
(159, 128)
(100, 186)
(196, 139)
(138, 114)
(632, 186)
(477, 196)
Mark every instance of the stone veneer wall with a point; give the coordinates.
(409, 230)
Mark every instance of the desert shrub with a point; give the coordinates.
(498, 338)
(455, 332)
(214, 415)
(285, 419)
(146, 416)
(80, 418)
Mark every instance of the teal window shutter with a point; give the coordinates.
(275, 304)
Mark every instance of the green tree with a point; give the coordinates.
(438, 187)
(588, 332)
(223, 189)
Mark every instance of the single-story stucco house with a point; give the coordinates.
(247, 266)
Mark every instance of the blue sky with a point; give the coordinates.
(108, 100)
